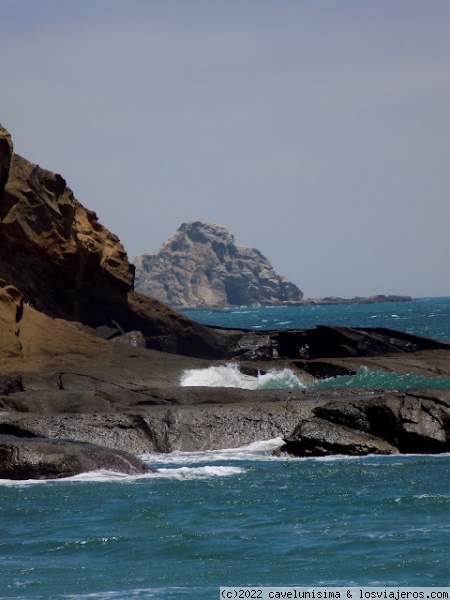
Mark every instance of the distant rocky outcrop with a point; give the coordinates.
(201, 266)
(378, 299)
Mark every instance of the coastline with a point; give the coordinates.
(326, 301)
(84, 357)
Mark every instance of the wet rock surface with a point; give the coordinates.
(392, 422)
(64, 382)
(27, 457)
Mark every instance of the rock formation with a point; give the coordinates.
(32, 457)
(390, 423)
(201, 266)
(66, 288)
(67, 265)
(55, 251)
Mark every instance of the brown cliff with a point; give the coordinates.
(68, 265)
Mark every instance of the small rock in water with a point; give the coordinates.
(42, 458)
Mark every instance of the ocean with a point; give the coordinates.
(239, 517)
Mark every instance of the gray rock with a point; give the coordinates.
(390, 422)
(318, 437)
(41, 458)
(201, 266)
(135, 339)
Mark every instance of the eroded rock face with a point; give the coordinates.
(201, 266)
(55, 251)
(67, 265)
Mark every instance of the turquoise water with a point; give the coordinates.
(365, 378)
(230, 375)
(234, 517)
(426, 316)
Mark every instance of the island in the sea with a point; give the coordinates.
(201, 266)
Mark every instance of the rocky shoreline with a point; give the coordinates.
(128, 399)
(326, 301)
(352, 422)
(85, 359)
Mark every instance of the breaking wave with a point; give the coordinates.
(102, 476)
(255, 451)
(231, 376)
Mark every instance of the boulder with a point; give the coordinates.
(41, 458)
(318, 437)
(411, 422)
(201, 266)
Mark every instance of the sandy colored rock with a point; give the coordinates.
(68, 265)
(55, 251)
(11, 307)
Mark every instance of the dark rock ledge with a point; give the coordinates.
(414, 422)
(40, 458)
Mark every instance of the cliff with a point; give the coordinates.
(200, 266)
(66, 264)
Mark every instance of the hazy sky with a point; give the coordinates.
(318, 131)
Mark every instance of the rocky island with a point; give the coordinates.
(90, 368)
(201, 266)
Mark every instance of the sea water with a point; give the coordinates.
(424, 316)
(238, 516)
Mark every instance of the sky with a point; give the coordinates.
(317, 131)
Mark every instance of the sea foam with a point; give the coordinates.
(255, 451)
(230, 376)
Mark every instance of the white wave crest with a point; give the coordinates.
(252, 452)
(198, 472)
(97, 476)
(230, 376)
(101, 476)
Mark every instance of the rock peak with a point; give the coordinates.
(204, 231)
(206, 227)
(200, 265)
